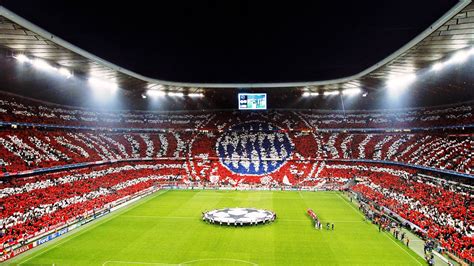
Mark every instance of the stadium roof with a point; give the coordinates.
(452, 32)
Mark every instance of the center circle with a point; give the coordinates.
(239, 216)
(254, 148)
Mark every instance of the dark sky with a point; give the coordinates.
(236, 41)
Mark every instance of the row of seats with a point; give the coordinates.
(241, 152)
(444, 210)
(16, 109)
(29, 149)
(31, 206)
(441, 151)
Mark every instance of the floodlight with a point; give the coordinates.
(327, 93)
(351, 91)
(155, 93)
(400, 81)
(179, 94)
(438, 66)
(103, 84)
(22, 58)
(41, 64)
(65, 72)
(459, 57)
(195, 95)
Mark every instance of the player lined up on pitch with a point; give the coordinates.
(317, 221)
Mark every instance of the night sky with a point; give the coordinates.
(236, 41)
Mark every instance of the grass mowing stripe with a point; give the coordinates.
(151, 234)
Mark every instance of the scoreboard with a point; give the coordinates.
(252, 101)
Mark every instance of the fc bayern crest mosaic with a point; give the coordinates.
(250, 150)
(258, 152)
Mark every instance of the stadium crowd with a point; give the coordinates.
(31, 206)
(275, 149)
(443, 210)
(18, 109)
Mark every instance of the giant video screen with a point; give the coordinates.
(252, 101)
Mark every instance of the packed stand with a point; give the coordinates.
(443, 209)
(34, 205)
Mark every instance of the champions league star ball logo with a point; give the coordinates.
(253, 148)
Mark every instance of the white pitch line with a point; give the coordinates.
(219, 259)
(136, 262)
(182, 263)
(383, 233)
(299, 193)
(159, 217)
(81, 231)
(402, 248)
(350, 205)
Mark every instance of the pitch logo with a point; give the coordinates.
(253, 148)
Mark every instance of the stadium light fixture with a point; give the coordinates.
(177, 94)
(396, 82)
(327, 93)
(103, 84)
(438, 66)
(143, 96)
(43, 65)
(352, 91)
(196, 95)
(22, 58)
(155, 93)
(365, 94)
(310, 94)
(65, 72)
(459, 57)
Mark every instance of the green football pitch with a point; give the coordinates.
(166, 229)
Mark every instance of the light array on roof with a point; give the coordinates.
(438, 66)
(328, 93)
(400, 81)
(458, 58)
(43, 65)
(177, 94)
(155, 93)
(348, 92)
(351, 91)
(310, 94)
(196, 95)
(100, 84)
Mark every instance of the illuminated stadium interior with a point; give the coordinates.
(102, 165)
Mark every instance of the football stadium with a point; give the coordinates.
(349, 142)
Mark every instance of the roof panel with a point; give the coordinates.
(452, 32)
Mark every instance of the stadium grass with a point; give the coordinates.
(166, 228)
